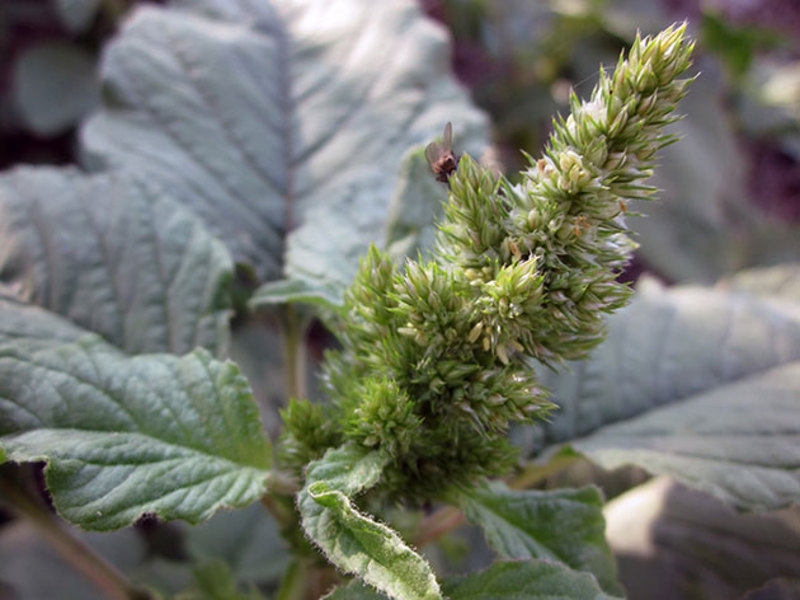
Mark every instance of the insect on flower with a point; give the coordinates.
(440, 155)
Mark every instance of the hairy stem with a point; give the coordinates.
(294, 325)
(100, 572)
(443, 521)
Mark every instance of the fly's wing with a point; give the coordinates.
(433, 152)
(447, 137)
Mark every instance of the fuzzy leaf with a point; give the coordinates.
(124, 437)
(561, 525)
(525, 580)
(354, 542)
(738, 442)
(116, 257)
(701, 384)
(522, 580)
(281, 123)
(55, 86)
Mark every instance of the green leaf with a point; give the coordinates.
(214, 581)
(116, 257)
(698, 383)
(561, 525)
(737, 442)
(282, 124)
(284, 291)
(354, 591)
(154, 434)
(55, 86)
(525, 580)
(247, 540)
(354, 542)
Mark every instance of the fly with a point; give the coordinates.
(440, 155)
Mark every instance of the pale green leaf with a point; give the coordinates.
(55, 86)
(521, 580)
(355, 542)
(308, 291)
(738, 442)
(525, 580)
(693, 382)
(123, 437)
(281, 123)
(667, 345)
(115, 256)
(559, 525)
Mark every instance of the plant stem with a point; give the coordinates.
(304, 580)
(535, 473)
(294, 325)
(439, 523)
(100, 572)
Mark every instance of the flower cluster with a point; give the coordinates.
(434, 358)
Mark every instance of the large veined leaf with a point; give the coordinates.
(124, 437)
(282, 123)
(674, 542)
(701, 384)
(116, 257)
(738, 442)
(560, 525)
(354, 542)
(523, 580)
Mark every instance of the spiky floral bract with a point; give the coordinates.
(433, 364)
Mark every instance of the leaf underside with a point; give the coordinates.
(280, 123)
(697, 383)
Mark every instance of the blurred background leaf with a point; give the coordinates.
(673, 542)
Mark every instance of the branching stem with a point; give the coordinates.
(443, 521)
(99, 571)
(294, 326)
